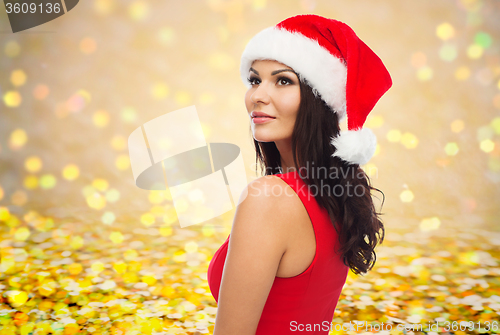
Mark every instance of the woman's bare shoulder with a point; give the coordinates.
(273, 194)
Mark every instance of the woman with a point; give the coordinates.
(311, 217)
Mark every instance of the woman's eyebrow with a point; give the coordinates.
(274, 72)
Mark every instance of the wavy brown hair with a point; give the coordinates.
(353, 214)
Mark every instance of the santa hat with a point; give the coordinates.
(340, 67)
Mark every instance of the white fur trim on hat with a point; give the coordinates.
(323, 71)
(355, 146)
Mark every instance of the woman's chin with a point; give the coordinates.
(263, 138)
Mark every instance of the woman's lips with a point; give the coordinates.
(262, 119)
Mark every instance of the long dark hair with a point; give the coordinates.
(352, 213)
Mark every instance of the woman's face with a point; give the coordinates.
(275, 91)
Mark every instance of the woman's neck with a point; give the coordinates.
(286, 156)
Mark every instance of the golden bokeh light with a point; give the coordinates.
(182, 98)
(445, 31)
(30, 182)
(409, 140)
(487, 145)
(47, 181)
(18, 77)
(451, 148)
(457, 126)
(33, 164)
(138, 10)
(100, 184)
(148, 219)
(474, 51)
(17, 139)
(88, 45)
(119, 143)
(406, 196)
(462, 73)
(19, 198)
(160, 91)
(41, 91)
(418, 60)
(71, 172)
(12, 49)
(122, 162)
(12, 99)
(394, 135)
(101, 118)
(425, 73)
(429, 224)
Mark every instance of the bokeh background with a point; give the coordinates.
(83, 250)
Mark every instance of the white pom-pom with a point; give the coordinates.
(355, 146)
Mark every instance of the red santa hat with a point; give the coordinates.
(339, 67)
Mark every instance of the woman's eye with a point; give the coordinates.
(284, 80)
(251, 80)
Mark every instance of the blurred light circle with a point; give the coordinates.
(424, 73)
(128, 115)
(160, 91)
(418, 59)
(47, 181)
(100, 184)
(462, 73)
(18, 77)
(138, 10)
(12, 98)
(71, 172)
(19, 198)
(12, 49)
(17, 139)
(487, 145)
(122, 162)
(101, 118)
(33, 164)
(457, 126)
(409, 140)
(445, 31)
(475, 51)
(483, 39)
(119, 143)
(406, 196)
(96, 201)
(429, 224)
(451, 148)
(30, 182)
(182, 98)
(448, 52)
(108, 218)
(485, 133)
(88, 45)
(155, 197)
(104, 7)
(394, 135)
(148, 219)
(41, 91)
(495, 125)
(116, 237)
(166, 36)
(112, 195)
(374, 121)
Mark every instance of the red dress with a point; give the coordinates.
(304, 303)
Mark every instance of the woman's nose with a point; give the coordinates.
(260, 95)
